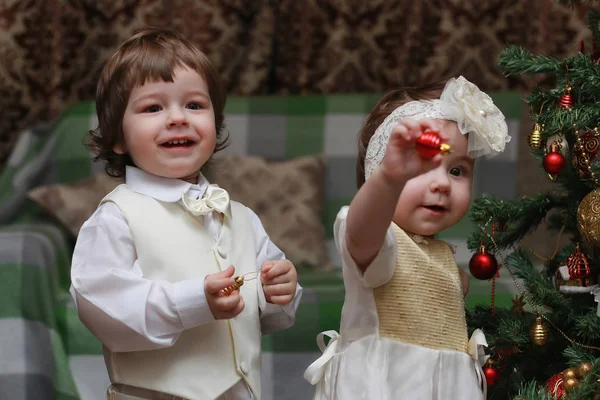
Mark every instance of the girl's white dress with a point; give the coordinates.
(403, 331)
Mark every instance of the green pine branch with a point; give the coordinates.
(515, 60)
(539, 286)
(523, 216)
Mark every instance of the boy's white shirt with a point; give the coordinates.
(105, 247)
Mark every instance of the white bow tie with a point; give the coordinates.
(214, 199)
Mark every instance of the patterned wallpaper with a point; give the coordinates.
(52, 51)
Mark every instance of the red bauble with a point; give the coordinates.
(492, 375)
(578, 264)
(483, 265)
(429, 144)
(553, 163)
(554, 385)
(566, 100)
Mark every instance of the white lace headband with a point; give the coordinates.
(461, 101)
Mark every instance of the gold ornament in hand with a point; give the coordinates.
(239, 281)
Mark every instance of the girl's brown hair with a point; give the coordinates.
(382, 109)
(151, 54)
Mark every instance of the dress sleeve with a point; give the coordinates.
(381, 268)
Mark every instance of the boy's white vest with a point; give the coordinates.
(172, 246)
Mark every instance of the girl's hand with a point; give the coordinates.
(279, 280)
(221, 306)
(402, 161)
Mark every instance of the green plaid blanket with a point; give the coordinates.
(46, 353)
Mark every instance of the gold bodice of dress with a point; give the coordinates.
(423, 303)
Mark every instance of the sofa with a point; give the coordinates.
(291, 159)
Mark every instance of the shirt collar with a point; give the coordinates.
(161, 188)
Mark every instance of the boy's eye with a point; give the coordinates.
(153, 108)
(194, 106)
(456, 171)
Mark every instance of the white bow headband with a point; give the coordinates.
(462, 102)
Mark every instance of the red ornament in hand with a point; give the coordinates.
(483, 265)
(429, 144)
(554, 162)
(492, 375)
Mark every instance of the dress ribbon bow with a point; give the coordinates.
(315, 371)
(214, 199)
(475, 349)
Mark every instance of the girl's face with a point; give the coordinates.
(439, 198)
(169, 127)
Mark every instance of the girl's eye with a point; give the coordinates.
(194, 106)
(153, 108)
(456, 171)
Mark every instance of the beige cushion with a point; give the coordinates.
(73, 204)
(287, 196)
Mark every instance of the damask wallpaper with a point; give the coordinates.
(52, 50)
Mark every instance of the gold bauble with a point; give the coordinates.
(588, 218)
(569, 373)
(539, 332)
(570, 384)
(535, 138)
(583, 369)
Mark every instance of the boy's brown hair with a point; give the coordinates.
(385, 107)
(151, 54)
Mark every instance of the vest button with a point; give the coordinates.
(221, 252)
(244, 367)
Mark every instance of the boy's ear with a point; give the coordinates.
(120, 148)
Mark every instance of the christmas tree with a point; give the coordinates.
(548, 344)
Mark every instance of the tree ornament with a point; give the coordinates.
(554, 162)
(583, 369)
(518, 306)
(566, 99)
(554, 386)
(578, 264)
(561, 142)
(569, 384)
(584, 153)
(578, 275)
(535, 137)
(483, 265)
(492, 375)
(569, 373)
(588, 218)
(429, 144)
(539, 332)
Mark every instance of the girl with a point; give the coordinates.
(403, 329)
(153, 267)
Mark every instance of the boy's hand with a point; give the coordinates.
(279, 280)
(402, 160)
(221, 306)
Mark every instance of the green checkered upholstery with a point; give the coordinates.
(276, 128)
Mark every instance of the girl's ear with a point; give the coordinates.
(120, 148)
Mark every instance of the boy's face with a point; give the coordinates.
(169, 127)
(439, 198)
